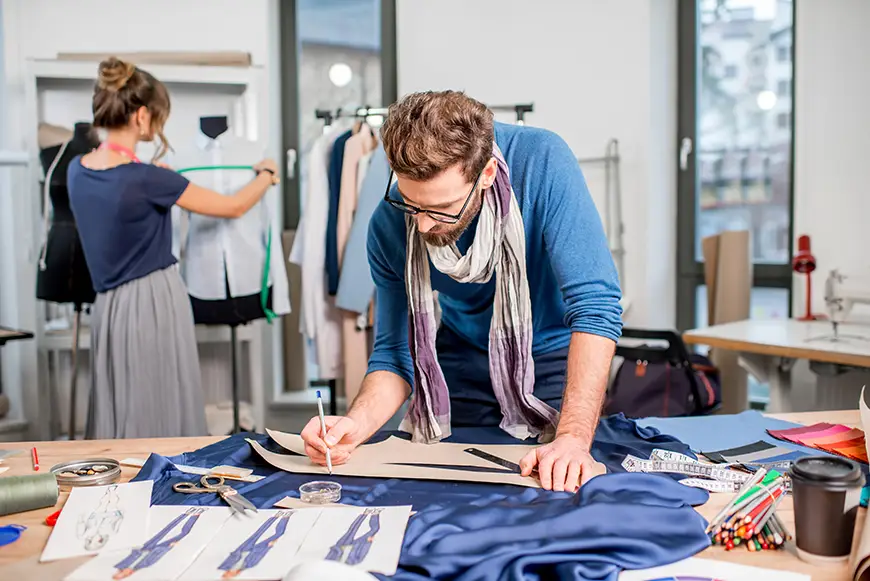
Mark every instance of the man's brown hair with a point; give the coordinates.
(429, 132)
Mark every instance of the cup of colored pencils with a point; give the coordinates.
(749, 519)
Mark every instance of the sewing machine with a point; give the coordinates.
(842, 293)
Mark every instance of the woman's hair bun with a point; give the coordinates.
(114, 74)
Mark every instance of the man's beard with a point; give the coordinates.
(447, 234)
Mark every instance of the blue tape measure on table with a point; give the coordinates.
(10, 534)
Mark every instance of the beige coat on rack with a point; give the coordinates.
(357, 150)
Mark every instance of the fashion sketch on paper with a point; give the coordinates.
(252, 551)
(95, 528)
(158, 546)
(351, 549)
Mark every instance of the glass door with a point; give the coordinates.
(736, 69)
(335, 55)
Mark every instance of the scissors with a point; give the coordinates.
(215, 484)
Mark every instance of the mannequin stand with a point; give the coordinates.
(235, 384)
(74, 354)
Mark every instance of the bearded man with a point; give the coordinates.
(498, 220)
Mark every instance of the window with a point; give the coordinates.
(738, 143)
(334, 55)
(730, 71)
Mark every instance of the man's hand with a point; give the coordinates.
(341, 439)
(563, 464)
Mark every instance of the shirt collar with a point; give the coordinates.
(206, 143)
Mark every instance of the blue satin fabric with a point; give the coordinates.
(492, 532)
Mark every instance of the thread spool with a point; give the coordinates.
(23, 493)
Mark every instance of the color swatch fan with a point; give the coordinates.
(832, 438)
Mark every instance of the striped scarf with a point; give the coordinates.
(499, 248)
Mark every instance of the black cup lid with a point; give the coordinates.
(826, 469)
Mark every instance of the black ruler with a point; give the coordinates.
(494, 459)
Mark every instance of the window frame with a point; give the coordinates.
(690, 272)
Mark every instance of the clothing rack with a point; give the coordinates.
(612, 204)
(329, 116)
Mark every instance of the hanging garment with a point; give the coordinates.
(336, 163)
(319, 320)
(226, 259)
(356, 286)
(354, 336)
(62, 275)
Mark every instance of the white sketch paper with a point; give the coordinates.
(258, 547)
(176, 535)
(708, 570)
(365, 538)
(100, 518)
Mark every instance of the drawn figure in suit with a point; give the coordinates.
(101, 523)
(156, 547)
(253, 550)
(351, 549)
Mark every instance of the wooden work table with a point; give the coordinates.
(20, 559)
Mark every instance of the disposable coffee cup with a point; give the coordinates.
(827, 492)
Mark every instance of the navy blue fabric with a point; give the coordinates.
(464, 531)
(124, 220)
(336, 161)
(466, 371)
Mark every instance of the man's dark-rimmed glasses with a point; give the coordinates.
(434, 214)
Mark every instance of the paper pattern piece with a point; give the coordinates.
(398, 458)
(365, 538)
(290, 502)
(256, 547)
(100, 518)
(177, 534)
(708, 570)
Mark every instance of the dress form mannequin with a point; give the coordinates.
(232, 310)
(63, 276)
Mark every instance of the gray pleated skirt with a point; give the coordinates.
(145, 376)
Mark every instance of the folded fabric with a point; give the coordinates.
(619, 521)
(489, 532)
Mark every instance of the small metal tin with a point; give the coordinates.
(89, 472)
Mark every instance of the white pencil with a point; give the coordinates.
(323, 430)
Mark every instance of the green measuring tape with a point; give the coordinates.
(264, 285)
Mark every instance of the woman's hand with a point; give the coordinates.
(266, 165)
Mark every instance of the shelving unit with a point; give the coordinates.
(59, 92)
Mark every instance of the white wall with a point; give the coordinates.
(832, 137)
(595, 70)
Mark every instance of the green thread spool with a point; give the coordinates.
(23, 493)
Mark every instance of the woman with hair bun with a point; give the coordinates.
(145, 377)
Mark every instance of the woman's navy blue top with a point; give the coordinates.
(124, 220)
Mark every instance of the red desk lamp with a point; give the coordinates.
(805, 263)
